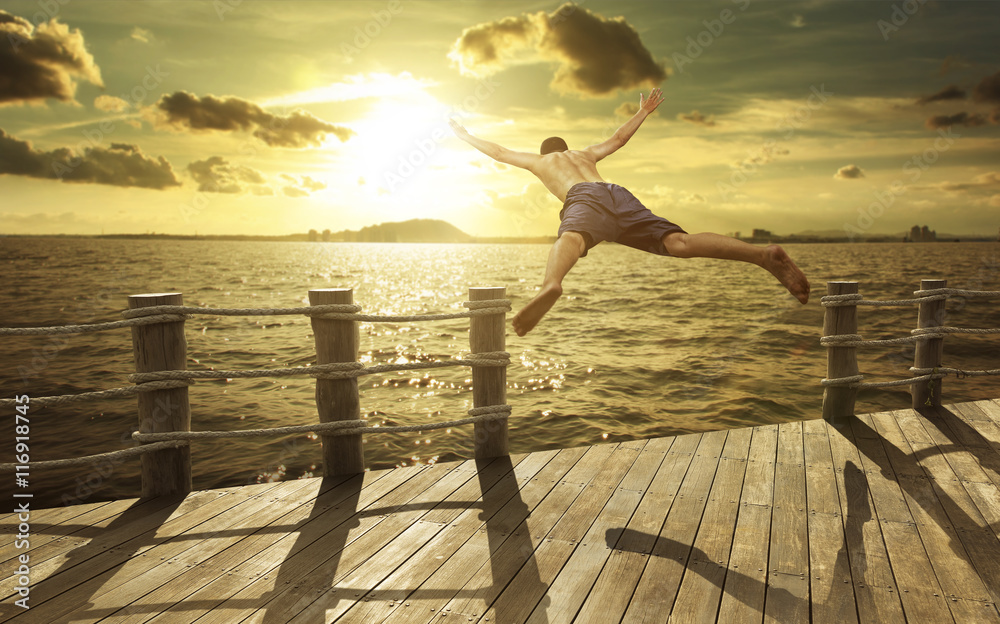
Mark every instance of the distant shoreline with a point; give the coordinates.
(539, 240)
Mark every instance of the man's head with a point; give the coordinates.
(553, 144)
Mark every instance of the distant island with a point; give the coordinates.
(438, 231)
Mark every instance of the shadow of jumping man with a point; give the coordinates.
(750, 588)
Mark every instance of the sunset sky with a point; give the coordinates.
(256, 117)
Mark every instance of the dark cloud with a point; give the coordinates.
(988, 89)
(849, 172)
(958, 119)
(119, 165)
(217, 175)
(596, 55)
(42, 62)
(231, 114)
(951, 92)
(697, 118)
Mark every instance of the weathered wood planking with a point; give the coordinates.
(894, 517)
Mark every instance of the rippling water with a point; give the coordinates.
(640, 346)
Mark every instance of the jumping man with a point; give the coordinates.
(595, 211)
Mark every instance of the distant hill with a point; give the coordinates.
(412, 231)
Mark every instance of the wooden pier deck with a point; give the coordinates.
(892, 519)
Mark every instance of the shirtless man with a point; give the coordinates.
(595, 211)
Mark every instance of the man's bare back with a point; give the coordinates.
(559, 171)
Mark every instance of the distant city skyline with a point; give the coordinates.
(267, 117)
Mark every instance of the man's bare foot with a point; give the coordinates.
(790, 276)
(530, 314)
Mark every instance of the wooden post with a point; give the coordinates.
(838, 401)
(337, 399)
(929, 352)
(489, 383)
(157, 347)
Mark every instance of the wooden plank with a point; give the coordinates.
(61, 532)
(571, 587)
(787, 587)
(239, 568)
(955, 535)
(302, 582)
(620, 575)
(832, 594)
(746, 581)
(101, 580)
(526, 518)
(919, 588)
(491, 490)
(874, 585)
(986, 439)
(657, 587)
(523, 597)
(700, 593)
(261, 552)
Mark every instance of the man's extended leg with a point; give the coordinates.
(564, 254)
(772, 258)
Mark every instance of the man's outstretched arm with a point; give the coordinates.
(497, 152)
(623, 134)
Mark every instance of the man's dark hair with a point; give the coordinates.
(553, 144)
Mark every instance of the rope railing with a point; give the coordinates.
(331, 332)
(842, 341)
(169, 313)
(100, 458)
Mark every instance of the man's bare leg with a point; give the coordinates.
(772, 258)
(564, 254)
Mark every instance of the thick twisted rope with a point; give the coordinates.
(113, 393)
(854, 381)
(333, 370)
(922, 296)
(168, 314)
(337, 428)
(918, 335)
(959, 373)
(94, 327)
(343, 311)
(95, 459)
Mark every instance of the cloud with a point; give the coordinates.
(231, 114)
(119, 165)
(954, 61)
(595, 55)
(988, 89)
(697, 118)
(42, 62)
(217, 175)
(798, 22)
(111, 104)
(951, 92)
(982, 182)
(303, 186)
(627, 109)
(141, 34)
(958, 119)
(849, 172)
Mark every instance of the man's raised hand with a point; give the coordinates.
(458, 129)
(649, 104)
